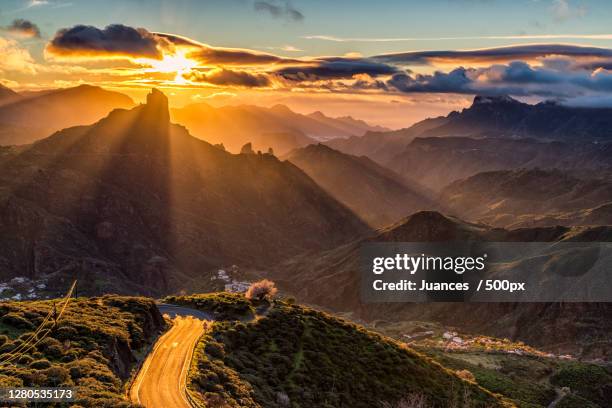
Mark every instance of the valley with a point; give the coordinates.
(135, 204)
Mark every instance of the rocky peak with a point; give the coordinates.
(157, 104)
(490, 100)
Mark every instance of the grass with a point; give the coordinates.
(299, 357)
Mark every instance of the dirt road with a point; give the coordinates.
(161, 380)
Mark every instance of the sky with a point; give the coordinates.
(388, 62)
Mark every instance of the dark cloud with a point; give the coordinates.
(517, 78)
(226, 77)
(114, 40)
(23, 28)
(226, 56)
(336, 68)
(499, 54)
(279, 11)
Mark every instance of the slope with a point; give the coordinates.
(376, 194)
(296, 356)
(332, 279)
(28, 118)
(136, 204)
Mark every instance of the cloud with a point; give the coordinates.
(227, 77)
(217, 96)
(16, 59)
(517, 78)
(335, 68)
(279, 11)
(23, 28)
(498, 54)
(480, 37)
(115, 40)
(562, 10)
(228, 56)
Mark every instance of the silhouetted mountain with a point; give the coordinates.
(134, 203)
(332, 279)
(504, 116)
(494, 118)
(376, 194)
(514, 197)
(37, 115)
(277, 127)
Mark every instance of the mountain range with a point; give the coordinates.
(277, 127)
(134, 203)
(495, 133)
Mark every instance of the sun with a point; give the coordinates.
(177, 62)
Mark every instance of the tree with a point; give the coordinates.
(263, 289)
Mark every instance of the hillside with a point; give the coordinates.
(7, 94)
(25, 119)
(376, 194)
(513, 197)
(277, 127)
(134, 204)
(94, 346)
(439, 161)
(332, 279)
(296, 356)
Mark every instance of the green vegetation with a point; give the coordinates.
(590, 382)
(532, 381)
(91, 347)
(222, 305)
(529, 377)
(299, 357)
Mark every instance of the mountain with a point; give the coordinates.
(376, 194)
(7, 94)
(30, 117)
(487, 122)
(517, 197)
(437, 161)
(277, 127)
(347, 124)
(136, 204)
(291, 355)
(382, 146)
(505, 116)
(332, 279)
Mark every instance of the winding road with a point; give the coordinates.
(161, 381)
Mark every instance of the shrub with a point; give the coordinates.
(40, 364)
(56, 375)
(263, 289)
(466, 375)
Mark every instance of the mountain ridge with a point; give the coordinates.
(144, 207)
(383, 196)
